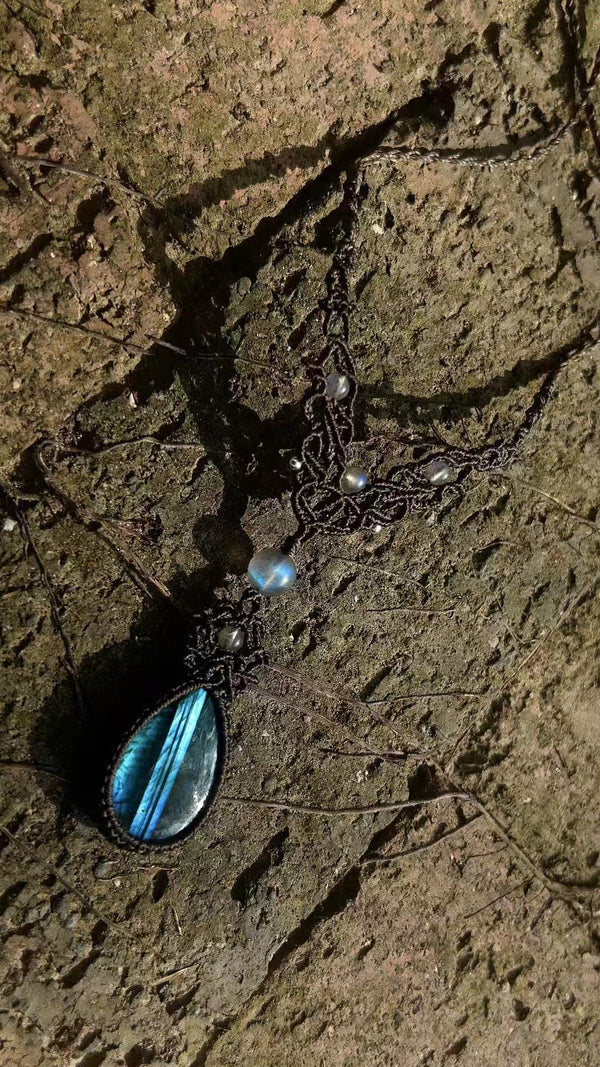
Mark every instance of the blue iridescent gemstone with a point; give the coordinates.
(271, 572)
(166, 774)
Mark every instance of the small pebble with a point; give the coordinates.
(103, 868)
(9, 525)
(63, 906)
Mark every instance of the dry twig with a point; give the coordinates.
(368, 809)
(101, 527)
(114, 339)
(552, 499)
(26, 765)
(49, 587)
(564, 615)
(59, 877)
(496, 900)
(389, 857)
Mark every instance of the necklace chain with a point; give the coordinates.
(319, 503)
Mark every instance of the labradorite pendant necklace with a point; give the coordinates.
(167, 769)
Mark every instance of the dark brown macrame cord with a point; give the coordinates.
(317, 499)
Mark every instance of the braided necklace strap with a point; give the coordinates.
(227, 671)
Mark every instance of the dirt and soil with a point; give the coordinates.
(218, 135)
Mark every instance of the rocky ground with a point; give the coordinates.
(202, 149)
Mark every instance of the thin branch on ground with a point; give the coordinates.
(65, 168)
(558, 889)
(31, 853)
(302, 712)
(563, 617)
(428, 696)
(172, 975)
(232, 357)
(372, 753)
(552, 499)
(350, 701)
(389, 857)
(145, 439)
(114, 339)
(53, 600)
(400, 610)
(368, 809)
(101, 527)
(109, 182)
(340, 698)
(496, 900)
(26, 765)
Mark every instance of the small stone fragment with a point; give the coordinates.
(102, 869)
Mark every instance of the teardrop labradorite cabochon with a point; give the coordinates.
(166, 773)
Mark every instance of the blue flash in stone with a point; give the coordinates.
(165, 775)
(271, 572)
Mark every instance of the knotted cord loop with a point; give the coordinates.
(317, 499)
(226, 673)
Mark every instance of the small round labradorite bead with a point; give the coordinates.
(438, 472)
(231, 638)
(271, 572)
(353, 480)
(337, 386)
